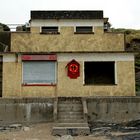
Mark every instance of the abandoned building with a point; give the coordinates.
(65, 58)
(67, 53)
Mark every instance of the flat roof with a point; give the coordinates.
(84, 14)
(113, 52)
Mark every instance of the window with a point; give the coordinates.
(99, 73)
(39, 72)
(84, 29)
(49, 30)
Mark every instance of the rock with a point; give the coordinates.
(101, 128)
(15, 126)
(25, 128)
(66, 137)
(57, 138)
(1, 128)
(128, 129)
(101, 131)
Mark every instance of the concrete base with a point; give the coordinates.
(100, 109)
(71, 129)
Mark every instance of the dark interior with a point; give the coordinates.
(99, 73)
(51, 29)
(83, 29)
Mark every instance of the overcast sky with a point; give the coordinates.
(121, 13)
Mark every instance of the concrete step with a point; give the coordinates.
(74, 109)
(71, 120)
(70, 99)
(70, 106)
(71, 125)
(71, 113)
(71, 129)
(69, 102)
(70, 116)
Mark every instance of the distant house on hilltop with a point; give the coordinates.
(67, 53)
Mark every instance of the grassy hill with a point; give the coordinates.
(133, 44)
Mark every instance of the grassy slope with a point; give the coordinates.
(131, 35)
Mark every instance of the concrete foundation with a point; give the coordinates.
(34, 110)
(26, 110)
(113, 109)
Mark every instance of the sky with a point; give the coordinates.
(121, 13)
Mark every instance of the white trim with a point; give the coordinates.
(67, 22)
(95, 57)
(75, 29)
(84, 26)
(9, 58)
(40, 29)
(83, 73)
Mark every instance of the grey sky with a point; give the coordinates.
(121, 13)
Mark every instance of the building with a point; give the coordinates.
(67, 53)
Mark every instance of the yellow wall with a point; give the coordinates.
(12, 83)
(66, 41)
(76, 87)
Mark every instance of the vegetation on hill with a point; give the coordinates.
(5, 27)
(133, 44)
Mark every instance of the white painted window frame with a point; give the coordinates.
(49, 26)
(83, 26)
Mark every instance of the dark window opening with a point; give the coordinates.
(99, 73)
(49, 30)
(84, 29)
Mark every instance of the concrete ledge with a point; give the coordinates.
(25, 100)
(111, 99)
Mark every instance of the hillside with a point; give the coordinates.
(133, 44)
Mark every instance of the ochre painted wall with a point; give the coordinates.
(12, 79)
(66, 41)
(75, 87)
(12, 83)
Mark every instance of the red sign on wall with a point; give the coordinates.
(38, 57)
(73, 69)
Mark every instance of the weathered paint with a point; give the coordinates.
(76, 87)
(12, 82)
(100, 109)
(66, 41)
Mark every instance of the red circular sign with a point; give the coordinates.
(73, 68)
